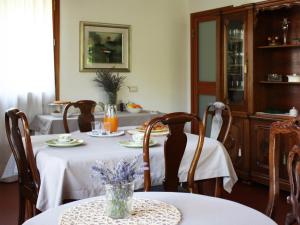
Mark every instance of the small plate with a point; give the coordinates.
(142, 129)
(55, 143)
(132, 144)
(162, 133)
(113, 134)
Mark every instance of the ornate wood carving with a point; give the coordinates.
(294, 178)
(277, 128)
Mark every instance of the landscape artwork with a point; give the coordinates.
(104, 46)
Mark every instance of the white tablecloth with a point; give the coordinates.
(66, 172)
(48, 124)
(195, 210)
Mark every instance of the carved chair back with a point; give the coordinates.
(288, 127)
(86, 116)
(219, 108)
(294, 178)
(174, 148)
(28, 175)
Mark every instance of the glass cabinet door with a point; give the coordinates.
(234, 60)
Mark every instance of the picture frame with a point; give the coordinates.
(104, 46)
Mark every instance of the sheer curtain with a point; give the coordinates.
(26, 63)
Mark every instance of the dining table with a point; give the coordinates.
(53, 123)
(193, 209)
(66, 172)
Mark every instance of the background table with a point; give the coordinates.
(195, 210)
(66, 172)
(48, 124)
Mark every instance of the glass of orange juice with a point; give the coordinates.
(110, 120)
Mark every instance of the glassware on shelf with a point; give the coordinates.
(285, 27)
(234, 53)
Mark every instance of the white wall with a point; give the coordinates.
(158, 47)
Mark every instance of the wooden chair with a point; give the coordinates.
(29, 179)
(174, 148)
(86, 116)
(292, 128)
(211, 110)
(294, 178)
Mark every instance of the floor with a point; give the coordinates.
(253, 195)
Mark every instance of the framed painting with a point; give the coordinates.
(104, 46)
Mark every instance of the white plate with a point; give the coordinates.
(132, 144)
(114, 134)
(162, 133)
(56, 143)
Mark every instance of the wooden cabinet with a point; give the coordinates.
(237, 146)
(243, 55)
(260, 131)
(277, 57)
(237, 50)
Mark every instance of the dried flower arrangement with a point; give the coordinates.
(111, 82)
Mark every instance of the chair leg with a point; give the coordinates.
(29, 210)
(218, 187)
(21, 209)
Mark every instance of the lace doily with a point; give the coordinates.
(145, 211)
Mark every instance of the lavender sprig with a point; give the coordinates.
(123, 172)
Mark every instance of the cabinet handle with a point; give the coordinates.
(246, 68)
(240, 152)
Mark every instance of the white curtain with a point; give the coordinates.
(26, 62)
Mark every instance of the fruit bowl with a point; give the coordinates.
(133, 108)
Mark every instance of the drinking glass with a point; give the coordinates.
(95, 127)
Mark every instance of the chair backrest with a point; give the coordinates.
(292, 128)
(293, 167)
(174, 148)
(216, 109)
(86, 116)
(29, 179)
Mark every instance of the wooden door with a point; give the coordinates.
(205, 61)
(260, 131)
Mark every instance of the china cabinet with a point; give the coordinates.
(221, 50)
(256, 47)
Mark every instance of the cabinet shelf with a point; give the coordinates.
(280, 82)
(280, 46)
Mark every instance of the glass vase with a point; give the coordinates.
(112, 98)
(118, 200)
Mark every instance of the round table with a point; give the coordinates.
(195, 209)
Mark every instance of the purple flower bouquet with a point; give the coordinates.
(119, 185)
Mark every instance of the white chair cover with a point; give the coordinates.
(217, 120)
